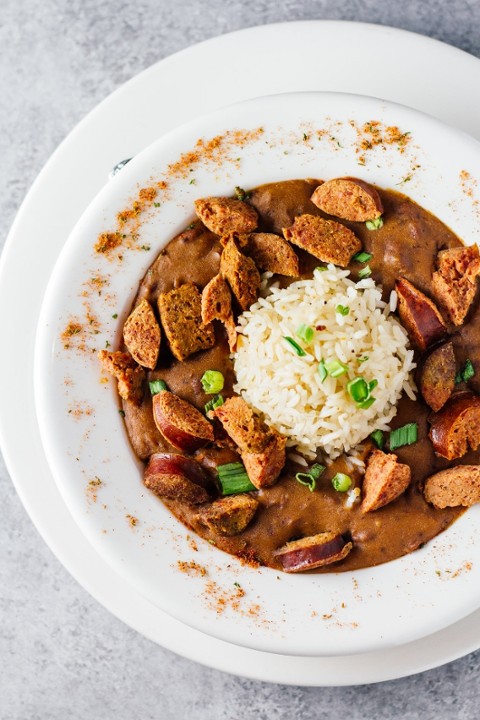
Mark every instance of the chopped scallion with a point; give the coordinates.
(372, 384)
(296, 347)
(234, 479)
(362, 257)
(310, 478)
(405, 435)
(214, 403)
(378, 438)
(375, 224)
(358, 389)
(240, 193)
(363, 359)
(157, 386)
(335, 368)
(321, 268)
(212, 382)
(342, 309)
(365, 272)
(466, 373)
(367, 403)
(306, 333)
(322, 370)
(341, 482)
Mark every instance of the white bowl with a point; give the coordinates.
(83, 432)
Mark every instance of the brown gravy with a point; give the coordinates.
(406, 245)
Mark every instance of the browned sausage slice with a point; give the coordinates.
(216, 300)
(229, 515)
(456, 426)
(224, 215)
(244, 427)
(178, 478)
(385, 479)
(419, 315)
(454, 487)
(455, 282)
(313, 552)
(327, 240)
(437, 381)
(142, 336)
(241, 274)
(348, 199)
(272, 253)
(130, 376)
(263, 468)
(181, 424)
(181, 317)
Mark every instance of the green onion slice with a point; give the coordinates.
(372, 384)
(306, 333)
(310, 478)
(362, 257)
(405, 435)
(363, 359)
(240, 193)
(335, 368)
(358, 389)
(157, 386)
(298, 350)
(378, 438)
(214, 403)
(365, 272)
(342, 309)
(212, 382)
(367, 403)
(466, 373)
(341, 482)
(375, 224)
(321, 268)
(322, 370)
(234, 479)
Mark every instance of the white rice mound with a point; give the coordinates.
(287, 389)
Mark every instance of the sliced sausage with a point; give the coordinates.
(181, 424)
(419, 315)
(348, 199)
(229, 515)
(455, 282)
(384, 480)
(437, 380)
(272, 253)
(244, 427)
(263, 468)
(327, 240)
(142, 336)
(181, 316)
(178, 478)
(454, 487)
(216, 300)
(457, 426)
(129, 374)
(313, 552)
(241, 274)
(224, 215)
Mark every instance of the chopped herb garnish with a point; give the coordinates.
(156, 204)
(367, 403)
(122, 413)
(466, 373)
(237, 585)
(234, 479)
(107, 344)
(115, 316)
(191, 226)
(372, 384)
(358, 389)
(322, 370)
(374, 224)
(310, 477)
(212, 382)
(157, 386)
(365, 272)
(378, 438)
(363, 359)
(146, 247)
(240, 193)
(298, 350)
(362, 257)
(335, 368)
(405, 435)
(214, 403)
(305, 136)
(192, 181)
(341, 482)
(321, 268)
(342, 309)
(306, 333)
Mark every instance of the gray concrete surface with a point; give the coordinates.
(61, 654)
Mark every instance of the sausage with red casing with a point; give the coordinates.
(313, 552)
(178, 478)
(457, 426)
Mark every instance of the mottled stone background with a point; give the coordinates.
(62, 656)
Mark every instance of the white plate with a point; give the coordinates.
(150, 113)
(84, 436)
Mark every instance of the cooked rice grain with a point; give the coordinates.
(287, 389)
